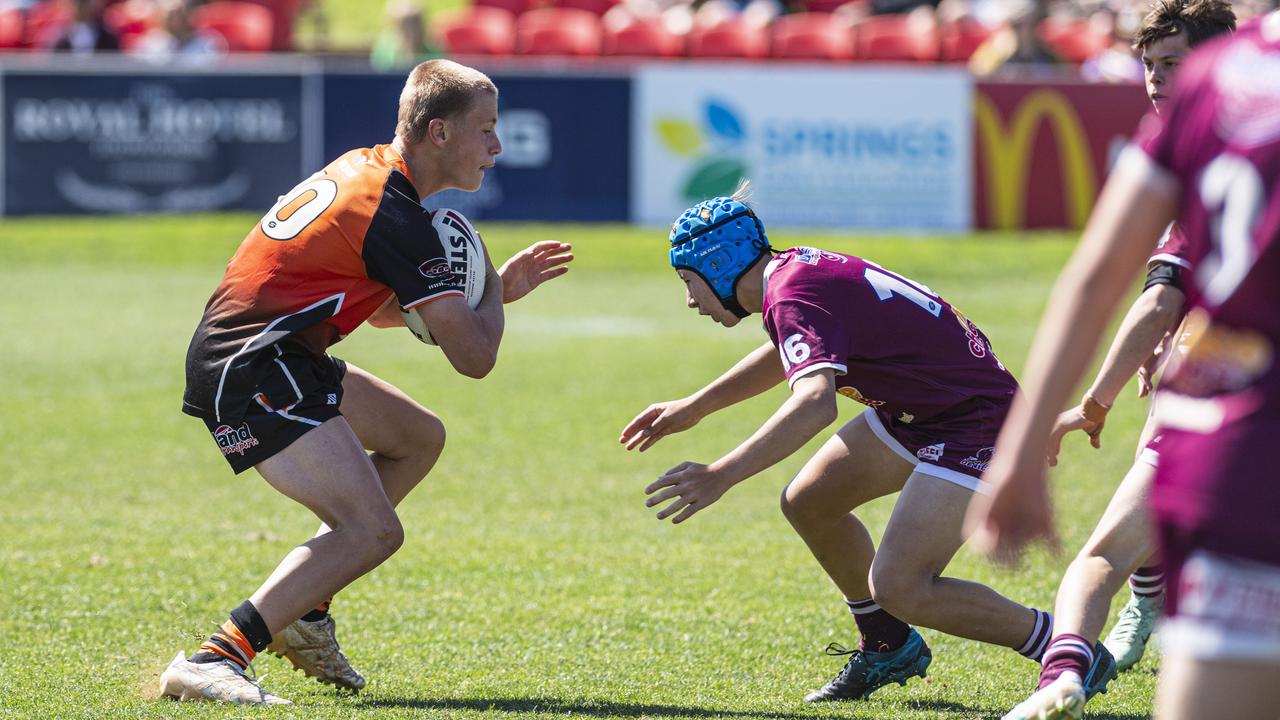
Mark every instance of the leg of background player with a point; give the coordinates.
(1194, 689)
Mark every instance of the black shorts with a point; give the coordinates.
(298, 392)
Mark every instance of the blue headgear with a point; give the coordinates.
(719, 239)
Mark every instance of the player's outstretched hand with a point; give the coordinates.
(1015, 513)
(658, 421)
(693, 485)
(1068, 421)
(533, 266)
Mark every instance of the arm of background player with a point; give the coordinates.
(1137, 202)
(760, 370)
(388, 315)
(810, 408)
(1143, 327)
(469, 338)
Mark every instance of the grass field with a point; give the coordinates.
(533, 582)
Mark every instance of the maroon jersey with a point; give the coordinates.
(1219, 405)
(1172, 248)
(893, 344)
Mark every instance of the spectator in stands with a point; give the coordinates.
(1119, 62)
(87, 33)
(177, 38)
(405, 40)
(1017, 44)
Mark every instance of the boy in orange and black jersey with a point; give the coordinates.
(348, 245)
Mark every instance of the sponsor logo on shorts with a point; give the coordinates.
(931, 452)
(906, 418)
(234, 440)
(979, 460)
(332, 398)
(435, 269)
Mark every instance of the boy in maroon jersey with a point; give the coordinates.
(936, 396)
(1211, 160)
(350, 244)
(1123, 544)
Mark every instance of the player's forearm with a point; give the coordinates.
(1128, 216)
(757, 372)
(800, 418)
(1140, 332)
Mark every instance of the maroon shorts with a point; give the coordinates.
(1216, 490)
(956, 448)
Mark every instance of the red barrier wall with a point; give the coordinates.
(1042, 150)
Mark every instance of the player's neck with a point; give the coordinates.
(423, 173)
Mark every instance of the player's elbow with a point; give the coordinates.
(477, 363)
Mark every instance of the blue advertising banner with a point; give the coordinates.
(566, 143)
(121, 142)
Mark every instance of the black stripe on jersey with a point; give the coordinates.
(402, 249)
(274, 332)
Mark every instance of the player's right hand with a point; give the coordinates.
(1066, 422)
(658, 421)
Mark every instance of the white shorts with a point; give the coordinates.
(1228, 609)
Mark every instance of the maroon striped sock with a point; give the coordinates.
(1066, 652)
(1148, 581)
(1038, 640)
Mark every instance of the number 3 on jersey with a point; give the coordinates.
(299, 208)
(886, 286)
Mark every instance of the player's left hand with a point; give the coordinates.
(693, 485)
(533, 266)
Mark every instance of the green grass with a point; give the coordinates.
(533, 583)
(353, 24)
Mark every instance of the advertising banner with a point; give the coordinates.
(135, 142)
(1043, 149)
(872, 148)
(565, 139)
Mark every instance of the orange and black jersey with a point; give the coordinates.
(320, 262)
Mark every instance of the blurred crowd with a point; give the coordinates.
(1092, 37)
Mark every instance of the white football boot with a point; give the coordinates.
(312, 647)
(1127, 640)
(1062, 699)
(214, 681)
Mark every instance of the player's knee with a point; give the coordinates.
(896, 590)
(428, 435)
(381, 537)
(800, 506)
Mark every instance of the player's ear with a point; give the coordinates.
(436, 131)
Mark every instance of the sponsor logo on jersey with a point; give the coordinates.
(435, 269)
(852, 393)
(811, 256)
(331, 399)
(979, 460)
(234, 440)
(906, 418)
(931, 452)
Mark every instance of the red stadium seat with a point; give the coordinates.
(599, 7)
(896, 38)
(515, 7)
(643, 38)
(812, 36)
(959, 39)
(479, 30)
(729, 40)
(11, 29)
(1073, 40)
(559, 31)
(246, 26)
(46, 21)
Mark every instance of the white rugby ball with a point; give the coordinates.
(465, 252)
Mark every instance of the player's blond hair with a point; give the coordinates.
(437, 89)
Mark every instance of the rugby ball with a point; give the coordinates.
(465, 253)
